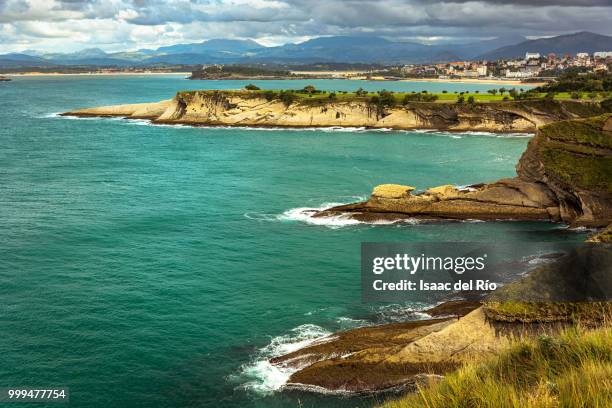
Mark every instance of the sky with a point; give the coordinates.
(113, 25)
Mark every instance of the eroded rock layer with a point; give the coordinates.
(243, 108)
(564, 175)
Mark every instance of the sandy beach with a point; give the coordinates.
(352, 75)
(474, 81)
(360, 76)
(93, 73)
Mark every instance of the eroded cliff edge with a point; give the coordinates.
(245, 108)
(564, 176)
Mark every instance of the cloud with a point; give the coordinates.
(68, 25)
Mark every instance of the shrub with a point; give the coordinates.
(461, 99)
(471, 100)
(309, 89)
(361, 92)
(576, 95)
(386, 98)
(287, 97)
(251, 87)
(269, 95)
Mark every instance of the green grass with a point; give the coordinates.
(324, 96)
(572, 369)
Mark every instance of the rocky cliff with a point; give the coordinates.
(565, 175)
(244, 108)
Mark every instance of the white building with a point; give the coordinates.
(482, 70)
(602, 54)
(532, 55)
(519, 74)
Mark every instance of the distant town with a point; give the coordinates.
(534, 66)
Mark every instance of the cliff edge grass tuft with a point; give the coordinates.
(572, 369)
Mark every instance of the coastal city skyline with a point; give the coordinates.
(74, 25)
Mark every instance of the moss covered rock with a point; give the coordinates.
(574, 160)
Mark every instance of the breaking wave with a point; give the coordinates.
(261, 376)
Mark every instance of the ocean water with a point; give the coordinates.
(161, 266)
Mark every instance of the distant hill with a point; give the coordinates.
(326, 50)
(349, 49)
(212, 46)
(564, 44)
(16, 60)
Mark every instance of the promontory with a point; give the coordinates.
(398, 111)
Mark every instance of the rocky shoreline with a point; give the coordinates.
(340, 363)
(398, 357)
(563, 176)
(246, 108)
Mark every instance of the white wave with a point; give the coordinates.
(461, 134)
(464, 187)
(327, 129)
(58, 115)
(305, 215)
(255, 216)
(402, 312)
(263, 377)
(52, 115)
(346, 323)
(579, 229)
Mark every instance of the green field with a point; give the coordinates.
(481, 97)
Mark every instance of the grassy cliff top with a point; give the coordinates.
(398, 98)
(572, 369)
(578, 153)
(587, 131)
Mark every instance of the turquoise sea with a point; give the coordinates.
(157, 266)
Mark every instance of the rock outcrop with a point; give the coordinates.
(565, 175)
(244, 108)
(391, 356)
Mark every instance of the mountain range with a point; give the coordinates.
(340, 49)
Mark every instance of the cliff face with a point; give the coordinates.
(574, 160)
(564, 175)
(243, 108)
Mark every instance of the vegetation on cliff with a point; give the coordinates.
(573, 81)
(574, 152)
(572, 369)
(237, 71)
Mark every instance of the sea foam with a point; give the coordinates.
(262, 377)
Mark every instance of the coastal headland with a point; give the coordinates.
(290, 109)
(563, 176)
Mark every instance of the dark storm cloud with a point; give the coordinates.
(561, 3)
(286, 20)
